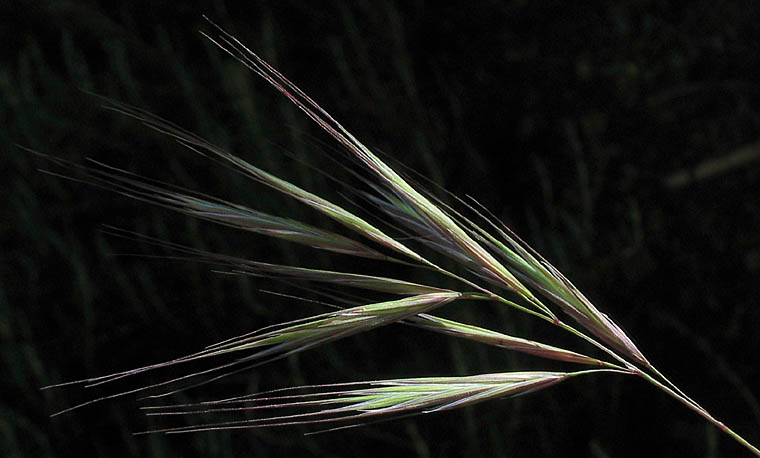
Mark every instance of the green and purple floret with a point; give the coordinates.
(353, 403)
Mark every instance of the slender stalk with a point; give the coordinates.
(700, 410)
(656, 372)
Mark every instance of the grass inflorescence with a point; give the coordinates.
(408, 226)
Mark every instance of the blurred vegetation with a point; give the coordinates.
(582, 127)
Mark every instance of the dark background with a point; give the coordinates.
(584, 128)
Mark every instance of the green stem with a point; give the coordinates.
(698, 409)
(673, 385)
